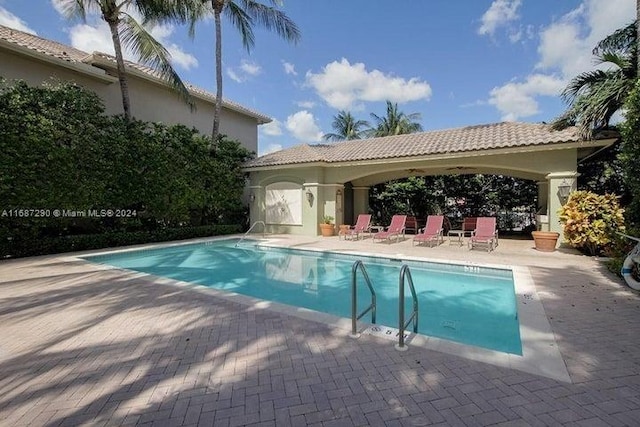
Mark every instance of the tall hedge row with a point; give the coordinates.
(630, 130)
(60, 152)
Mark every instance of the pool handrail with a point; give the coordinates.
(402, 325)
(354, 297)
(264, 230)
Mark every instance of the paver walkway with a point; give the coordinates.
(84, 346)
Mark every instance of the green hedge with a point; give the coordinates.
(60, 151)
(22, 246)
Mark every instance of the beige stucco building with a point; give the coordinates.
(291, 190)
(37, 60)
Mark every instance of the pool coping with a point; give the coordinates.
(540, 352)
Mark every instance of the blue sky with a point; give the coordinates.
(456, 63)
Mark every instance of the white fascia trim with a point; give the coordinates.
(82, 68)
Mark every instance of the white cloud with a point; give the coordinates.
(180, 58)
(500, 13)
(566, 44)
(244, 71)
(272, 128)
(303, 127)
(306, 104)
(271, 148)
(233, 76)
(59, 6)
(343, 85)
(564, 52)
(250, 68)
(516, 100)
(10, 20)
(96, 36)
(289, 68)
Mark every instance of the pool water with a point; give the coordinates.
(468, 304)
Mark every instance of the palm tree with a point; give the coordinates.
(346, 127)
(595, 96)
(243, 15)
(127, 32)
(395, 122)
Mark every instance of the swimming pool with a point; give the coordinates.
(468, 304)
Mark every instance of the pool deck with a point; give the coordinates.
(81, 344)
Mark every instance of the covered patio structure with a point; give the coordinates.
(293, 189)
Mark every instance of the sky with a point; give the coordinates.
(456, 63)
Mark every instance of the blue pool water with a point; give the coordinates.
(468, 304)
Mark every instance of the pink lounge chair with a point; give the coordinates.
(432, 231)
(362, 226)
(395, 229)
(485, 233)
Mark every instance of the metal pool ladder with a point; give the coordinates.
(402, 325)
(354, 297)
(264, 229)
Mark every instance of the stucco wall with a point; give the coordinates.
(149, 101)
(543, 164)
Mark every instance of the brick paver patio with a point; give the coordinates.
(80, 345)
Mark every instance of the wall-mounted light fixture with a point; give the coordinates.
(564, 189)
(338, 193)
(252, 197)
(309, 196)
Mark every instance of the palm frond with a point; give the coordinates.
(332, 137)
(582, 82)
(152, 54)
(243, 22)
(272, 19)
(622, 40)
(615, 58)
(346, 127)
(77, 9)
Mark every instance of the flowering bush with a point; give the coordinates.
(590, 220)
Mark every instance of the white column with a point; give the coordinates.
(555, 202)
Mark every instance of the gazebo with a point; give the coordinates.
(293, 189)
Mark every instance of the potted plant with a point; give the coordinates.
(545, 241)
(326, 226)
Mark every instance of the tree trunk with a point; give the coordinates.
(218, 104)
(122, 78)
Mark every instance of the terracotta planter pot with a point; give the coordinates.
(327, 230)
(545, 241)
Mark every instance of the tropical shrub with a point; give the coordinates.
(590, 221)
(630, 152)
(60, 152)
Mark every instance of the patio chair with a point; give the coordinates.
(432, 232)
(362, 226)
(411, 225)
(395, 229)
(485, 233)
(468, 225)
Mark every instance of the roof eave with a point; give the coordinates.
(284, 166)
(439, 156)
(86, 69)
(101, 61)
